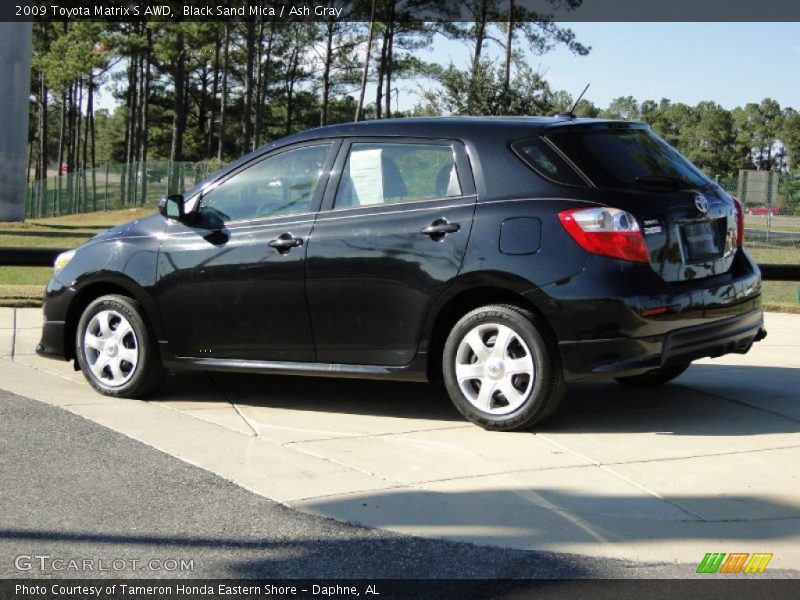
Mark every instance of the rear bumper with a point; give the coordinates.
(632, 356)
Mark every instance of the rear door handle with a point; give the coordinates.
(285, 242)
(440, 228)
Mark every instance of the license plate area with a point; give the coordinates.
(703, 240)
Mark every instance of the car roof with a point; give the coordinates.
(450, 127)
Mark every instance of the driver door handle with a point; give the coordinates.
(285, 242)
(440, 228)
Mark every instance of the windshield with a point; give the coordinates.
(626, 157)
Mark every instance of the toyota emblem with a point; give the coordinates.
(701, 203)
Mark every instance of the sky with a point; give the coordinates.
(729, 63)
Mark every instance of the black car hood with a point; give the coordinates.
(148, 226)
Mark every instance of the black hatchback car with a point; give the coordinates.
(504, 256)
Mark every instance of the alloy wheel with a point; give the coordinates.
(110, 348)
(494, 368)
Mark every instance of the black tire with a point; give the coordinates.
(141, 377)
(544, 392)
(655, 377)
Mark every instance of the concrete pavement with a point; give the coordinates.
(708, 463)
(74, 490)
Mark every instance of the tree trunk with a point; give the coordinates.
(61, 133)
(130, 131)
(259, 77)
(78, 159)
(247, 109)
(365, 72)
(224, 102)
(389, 59)
(202, 102)
(480, 32)
(381, 71)
(42, 130)
(326, 73)
(73, 91)
(84, 178)
(145, 102)
(291, 78)
(178, 112)
(90, 116)
(214, 92)
(263, 83)
(29, 195)
(480, 35)
(509, 48)
(136, 124)
(41, 166)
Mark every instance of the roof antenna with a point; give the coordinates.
(570, 114)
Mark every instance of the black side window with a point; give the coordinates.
(541, 157)
(394, 172)
(282, 184)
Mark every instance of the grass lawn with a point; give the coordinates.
(780, 295)
(24, 286)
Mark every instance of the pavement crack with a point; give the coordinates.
(595, 464)
(292, 503)
(41, 370)
(339, 463)
(376, 435)
(629, 481)
(13, 334)
(222, 393)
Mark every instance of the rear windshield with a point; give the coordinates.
(625, 157)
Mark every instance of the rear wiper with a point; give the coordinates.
(662, 180)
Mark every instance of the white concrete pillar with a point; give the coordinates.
(15, 83)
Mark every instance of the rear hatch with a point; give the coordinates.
(688, 222)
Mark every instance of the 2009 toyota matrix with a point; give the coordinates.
(505, 256)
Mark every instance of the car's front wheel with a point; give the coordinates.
(115, 350)
(501, 371)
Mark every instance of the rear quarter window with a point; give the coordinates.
(541, 157)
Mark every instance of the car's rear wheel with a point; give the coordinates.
(500, 369)
(655, 377)
(115, 350)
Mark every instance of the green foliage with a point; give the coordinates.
(305, 74)
(790, 136)
(479, 92)
(626, 108)
(789, 191)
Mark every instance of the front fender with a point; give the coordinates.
(128, 264)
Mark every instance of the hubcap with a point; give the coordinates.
(494, 368)
(110, 348)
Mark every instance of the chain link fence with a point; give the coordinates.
(112, 187)
(771, 223)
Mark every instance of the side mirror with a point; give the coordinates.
(172, 207)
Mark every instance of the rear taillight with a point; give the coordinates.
(737, 205)
(606, 231)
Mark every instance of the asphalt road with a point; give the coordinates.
(71, 489)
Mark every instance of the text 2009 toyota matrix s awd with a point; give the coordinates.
(506, 256)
